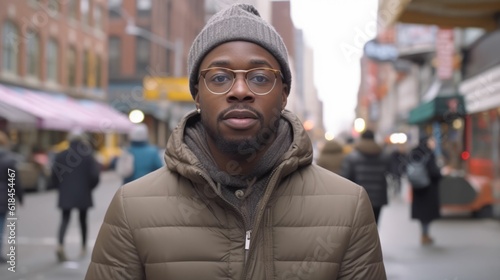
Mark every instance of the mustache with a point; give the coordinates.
(239, 107)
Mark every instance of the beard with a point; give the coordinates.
(242, 147)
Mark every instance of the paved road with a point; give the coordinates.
(38, 221)
(464, 249)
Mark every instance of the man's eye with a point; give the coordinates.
(220, 78)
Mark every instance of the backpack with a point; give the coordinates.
(125, 164)
(417, 173)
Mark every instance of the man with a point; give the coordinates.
(368, 166)
(239, 197)
(75, 174)
(331, 156)
(145, 157)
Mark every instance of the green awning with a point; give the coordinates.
(441, 108)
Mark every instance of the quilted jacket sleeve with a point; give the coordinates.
(114, 255)
(363, 258)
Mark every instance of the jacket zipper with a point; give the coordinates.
(265, 199)
(247, 246)
(248, 233)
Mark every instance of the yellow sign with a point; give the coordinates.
(167, 88)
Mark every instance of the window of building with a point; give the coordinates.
(482, 134)
(114, 52)
(86, 69)
(143, 8)
(98, 71)
(84, 11)
(52, 60)
(72, 8)
(71, 61)
(98, 18)
(10, 45)
(113, 7)
(35, 3)
(53, 7)
(33, 54)
(142, 52)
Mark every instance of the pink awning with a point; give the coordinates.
(60, 112)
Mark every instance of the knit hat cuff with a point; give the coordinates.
(237, 28)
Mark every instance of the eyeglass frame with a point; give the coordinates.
(206, 70)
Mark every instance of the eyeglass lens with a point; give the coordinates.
(259, 81)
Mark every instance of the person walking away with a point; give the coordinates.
(425, 205)
(367, 165)
(75, 174)
(144, 157)
(10, 185)
(349, 145)
(398, 160)
(331, 156)
(239, 197)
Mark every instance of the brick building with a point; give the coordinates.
(151, 38)
(55, 45)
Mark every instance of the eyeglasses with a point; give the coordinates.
(260, 81)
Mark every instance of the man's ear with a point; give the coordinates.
(195, 92)
(284, 95)
(196, 97)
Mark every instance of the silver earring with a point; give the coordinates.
(282, 111)
(198, 110)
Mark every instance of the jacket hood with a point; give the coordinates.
(368, 147)
(332, 147)
(179, 158)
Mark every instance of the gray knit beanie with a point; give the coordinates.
(239, 22)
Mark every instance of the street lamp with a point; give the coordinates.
(133, 29)
(359, 125)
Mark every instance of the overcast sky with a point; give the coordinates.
(337, 31)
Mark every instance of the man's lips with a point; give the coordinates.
(240, 119)
(239, 114)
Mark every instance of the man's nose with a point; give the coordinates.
(240, 91)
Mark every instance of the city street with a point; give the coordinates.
(464, 249)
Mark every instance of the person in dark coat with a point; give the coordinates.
(426, 203)
(398, 165)
(367, 165)
(10, 186)
(75, 173)
(331, 156)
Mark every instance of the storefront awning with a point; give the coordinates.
(60, 112)
(17, 118)
(464, 13)
(441, 108)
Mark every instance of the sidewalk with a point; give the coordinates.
(464, 248)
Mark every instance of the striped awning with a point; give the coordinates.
(60, 112)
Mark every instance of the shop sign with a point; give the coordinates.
(167, 88)
(381, 52)
(445, 50)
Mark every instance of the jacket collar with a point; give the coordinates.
(179, 158)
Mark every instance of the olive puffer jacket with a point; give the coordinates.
(173, 224)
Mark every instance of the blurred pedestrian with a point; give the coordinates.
(331, 156)
(425, 205)
(349, 145)
(145, 158)
(75, 174)
(398, 160)
(367, 165)
(10, 186)
(239, 197)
